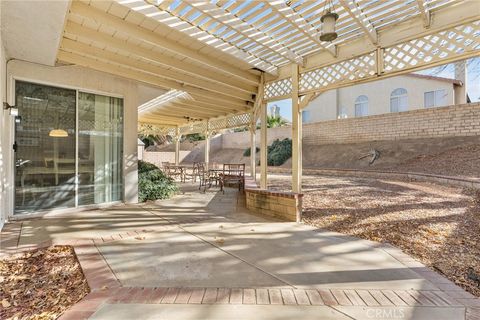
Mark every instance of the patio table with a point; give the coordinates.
(177, 169)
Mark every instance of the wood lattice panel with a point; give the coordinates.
(152, 129)
(278, 88)
(198, 127)
(449, 45)
(344, 71)
(432, 48)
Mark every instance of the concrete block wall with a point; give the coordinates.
(450, 121)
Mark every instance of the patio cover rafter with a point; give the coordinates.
(454, 34)
(209, 74)
(182, 79)
(88, 12)
(293, 19)
(208, 12)
(425, 12)
(150, 78)
(357, 15)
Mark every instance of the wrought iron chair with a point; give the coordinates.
(232, 174)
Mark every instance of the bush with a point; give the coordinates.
(247, 151)
(279, 152)
(153, 184)
(193, 137)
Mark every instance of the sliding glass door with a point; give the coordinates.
(99, 148)
(69, 148)
(45, 147)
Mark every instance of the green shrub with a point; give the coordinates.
(279, 152)
(194, 137)
(153, 184)
(247, 151)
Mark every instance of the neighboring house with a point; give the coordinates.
(396, 94)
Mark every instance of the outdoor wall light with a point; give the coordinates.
(13, 111)
(328, 20)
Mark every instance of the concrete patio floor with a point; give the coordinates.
(210, 242)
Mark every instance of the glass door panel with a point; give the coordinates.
(100, 148)
(45, 140)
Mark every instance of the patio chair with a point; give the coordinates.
(232, 174)
(173, 171)
(204, 176)
(194, 173)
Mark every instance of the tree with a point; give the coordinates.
(275, 121)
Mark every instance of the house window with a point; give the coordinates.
(361, 106)
(435, 98)
(305, 116)
(398, 100)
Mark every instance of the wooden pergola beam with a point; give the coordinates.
(191, 110)
(360, 19)
(196, 105)
(181, 79)
(207, 9)
(426, 15)
(122, 71)
(88, 34)
(88, 12)
(280, 7)
(160, 121)
(220, 104)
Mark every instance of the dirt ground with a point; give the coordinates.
(40, 284)
(438, 225)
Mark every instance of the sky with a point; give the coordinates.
(446, 71)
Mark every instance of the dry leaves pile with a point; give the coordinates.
(40, 284)
(440, 226)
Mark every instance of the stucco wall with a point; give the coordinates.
(324, 107)
(5, 202)
(77, 77)
(157, 157)
(241, 140)
(450, 121)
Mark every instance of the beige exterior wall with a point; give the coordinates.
(76, 77)
(157, 157)
(324, 107)
(5, 186)
(450, 121)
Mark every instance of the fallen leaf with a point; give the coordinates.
(5, 303)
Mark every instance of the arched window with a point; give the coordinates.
(361, 106)
(399, 100)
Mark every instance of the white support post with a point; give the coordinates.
(253, 149)
(177, 146)
(263, 146)
(296, 133)
(207, 145)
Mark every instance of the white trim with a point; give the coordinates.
(12, 82)
(76, 149)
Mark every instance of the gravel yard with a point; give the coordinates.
(438, 225)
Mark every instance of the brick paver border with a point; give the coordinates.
(106, 288)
